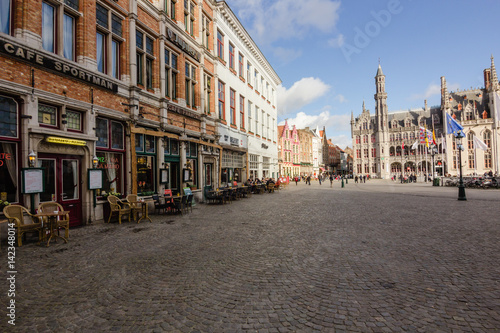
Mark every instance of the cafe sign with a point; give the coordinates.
(65, 141)
(61, 67)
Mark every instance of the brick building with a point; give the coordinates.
(129, 82)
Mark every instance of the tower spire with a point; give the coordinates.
(494, 78)
(364, 109)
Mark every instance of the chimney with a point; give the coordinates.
(487, 78)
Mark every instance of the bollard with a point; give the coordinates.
(342, 182)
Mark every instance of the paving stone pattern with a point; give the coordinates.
(374, 257)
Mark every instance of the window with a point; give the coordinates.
(472, 162)
(144, 57)
(470, 140)
(170, 74)
(172, 8)
(109, 132)
(220, 45)
(189, 9)
(374, 152)
(208, 93)
(232, 106)
(190, 85)
(206, 32)
(5, 16)
(358, 139)
(257, 120)
(487, 138)
(373, 138)
(242, 112)
(48, 27)
(240, 65)
(109, 151)
(231, 56)
(365, 153)
(60, 43)
(74, 121)
(8, 117)
(487, 159)
(222, 114)
(262, 123)
(47, 115)
(108, 41)
(145, 143)
(255, 80)
(249, 73)
(249, 116)
(358, 153)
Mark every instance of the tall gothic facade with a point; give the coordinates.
(384, 143)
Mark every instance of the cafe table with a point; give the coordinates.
(144, 210)
(52, 223)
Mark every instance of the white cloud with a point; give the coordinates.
(286, 55)
(340, 140)
(333, 123)
(303, 92)
(432, 90)
(337, 41)
(341, 98)
(271, 20)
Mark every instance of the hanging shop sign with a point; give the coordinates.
(65, 141)
(61, 67)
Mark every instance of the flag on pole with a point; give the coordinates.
(403, 146)
(453, 127)
(422, 135)
(415, 145)
(434, 138)
(479, 144)
(426, 138)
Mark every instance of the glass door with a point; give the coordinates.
(62, 184)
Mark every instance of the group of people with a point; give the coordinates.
(362, 179)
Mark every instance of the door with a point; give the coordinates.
(62, 184)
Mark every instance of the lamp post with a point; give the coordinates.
(433, 153)
(461, 187)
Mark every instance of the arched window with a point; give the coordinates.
(470, 140)
(394, 124)
(487, 138)
(391, 151)
(398, 151)
(408, 123)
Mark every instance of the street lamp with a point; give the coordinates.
(433, 153)
(461, 187)
(32, 159)
(95, 161)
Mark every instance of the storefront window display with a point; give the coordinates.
(8, 150)
(8, 172)
(146, 164)
(110, 153)
(172, 162)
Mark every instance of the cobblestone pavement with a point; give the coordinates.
(374, 257)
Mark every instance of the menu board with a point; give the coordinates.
(33, 181)
(95, 177)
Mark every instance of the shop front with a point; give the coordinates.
(234, 156)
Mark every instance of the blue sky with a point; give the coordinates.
(327, 53)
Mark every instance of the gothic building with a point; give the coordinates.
(388, 144)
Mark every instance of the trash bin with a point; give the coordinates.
(436, 181)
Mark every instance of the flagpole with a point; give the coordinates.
(495, 129)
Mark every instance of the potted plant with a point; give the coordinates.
(3, 204)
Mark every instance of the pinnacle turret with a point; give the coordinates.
(494, 78)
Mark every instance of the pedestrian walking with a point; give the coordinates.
(319, 178)
(331, 180)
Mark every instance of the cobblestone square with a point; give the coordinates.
(373, 257)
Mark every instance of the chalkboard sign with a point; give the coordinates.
(95, 177)
(33, 180)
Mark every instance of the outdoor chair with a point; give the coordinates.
(159, 205)
(118, 207)
(135, 206)
(62, 221)
(16, 214)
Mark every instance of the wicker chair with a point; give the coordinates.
(119, 207)
(17, 214)
(62, 221)
(135, 206)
